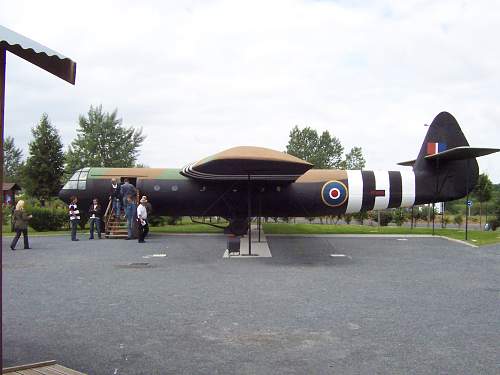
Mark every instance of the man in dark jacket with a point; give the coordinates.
(95, 218)
(116, 196)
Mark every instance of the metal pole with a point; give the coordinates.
(249, 219)
(467, 200)
(433, 217)
(260, 212)
(2, 108)
(411, 225)
(442, 214)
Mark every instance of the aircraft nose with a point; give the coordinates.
(64, 195)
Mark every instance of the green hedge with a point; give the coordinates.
(45, 219)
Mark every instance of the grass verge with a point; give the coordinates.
(474, 237)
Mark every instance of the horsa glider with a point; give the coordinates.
(243, 182)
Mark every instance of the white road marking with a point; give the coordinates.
(155, 256)
(341, 256)
(402, 239)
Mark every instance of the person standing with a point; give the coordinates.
(115, 196)
(74, 217)
(95, 218)
(149, 208)
(20, 219)
(130, 213)
(126, 190)
(142, 218)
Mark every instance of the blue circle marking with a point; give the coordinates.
(334, 193)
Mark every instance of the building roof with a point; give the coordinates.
(10, 186)
(37, 54)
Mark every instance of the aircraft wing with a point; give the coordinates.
(246, 162)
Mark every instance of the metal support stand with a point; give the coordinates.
(249, 218)
(433, 217)
(2, 107)
(258, 226)
(467, 200)
(411, 225)
(442, 214)
(259, 222)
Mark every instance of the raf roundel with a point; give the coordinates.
(334, 193)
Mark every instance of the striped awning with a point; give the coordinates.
(37, 54)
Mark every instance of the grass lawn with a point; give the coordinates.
(475, 237)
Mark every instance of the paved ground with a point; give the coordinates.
(419, 306)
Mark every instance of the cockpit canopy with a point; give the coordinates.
(78, 181)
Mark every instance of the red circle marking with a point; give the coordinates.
(334, 193)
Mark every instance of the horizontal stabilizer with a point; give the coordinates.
(408, 163)
(461, 153)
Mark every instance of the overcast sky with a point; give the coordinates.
(203, 76)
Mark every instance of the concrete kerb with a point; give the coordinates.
(373, 236)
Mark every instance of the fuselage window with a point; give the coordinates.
(71, 185)
(175, 188)
(78, 180)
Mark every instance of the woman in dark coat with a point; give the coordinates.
(20, 219)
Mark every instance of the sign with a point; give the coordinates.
(469, 203)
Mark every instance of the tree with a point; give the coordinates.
(12, 158)
(102, 141)
(323, 151)
(354, 159)
(45, 165)
(483, 192)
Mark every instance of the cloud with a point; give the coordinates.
(201, 76)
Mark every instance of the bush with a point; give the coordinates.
(173, 220)
(348, 218)
(361, 216)
(45, 219)
(385, 218)
(446, 220)
(458, 219)
(156, 221)
(399, 216)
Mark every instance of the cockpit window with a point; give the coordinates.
(78, 180)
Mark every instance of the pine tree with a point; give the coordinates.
(12, 158)
(102, 141)
(45, 165)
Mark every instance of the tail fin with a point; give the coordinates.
(440, 177)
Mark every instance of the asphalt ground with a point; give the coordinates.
(389, 306)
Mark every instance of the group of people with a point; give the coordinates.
(121, 196)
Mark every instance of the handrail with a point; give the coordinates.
(107, 215)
